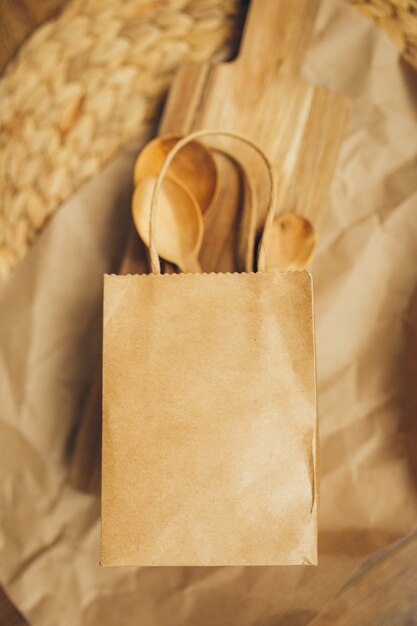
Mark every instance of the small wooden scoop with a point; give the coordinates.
(291, 243)
(179, 222)
(194, 167)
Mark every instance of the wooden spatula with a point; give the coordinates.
(299, 125)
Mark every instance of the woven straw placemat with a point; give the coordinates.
(82, 87)
(90, 81)
(19, 19)
(398, 18)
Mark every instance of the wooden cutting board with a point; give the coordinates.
(260, 94)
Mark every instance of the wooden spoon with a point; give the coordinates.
(179, 222)
(291, 243)
(193, 166)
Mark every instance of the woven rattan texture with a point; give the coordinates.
(398, 18)
(85, 85)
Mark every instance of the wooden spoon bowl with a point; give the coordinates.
(179, 223)
(291, 243)
(194, 167)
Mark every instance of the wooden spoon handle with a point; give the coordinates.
(276, 32)
(190, 265)
(248, 221)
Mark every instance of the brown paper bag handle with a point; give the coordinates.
(153, 254)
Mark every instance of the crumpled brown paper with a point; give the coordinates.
(365, 276)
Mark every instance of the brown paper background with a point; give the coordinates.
(365, 276)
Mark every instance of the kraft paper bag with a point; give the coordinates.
(209, 416)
